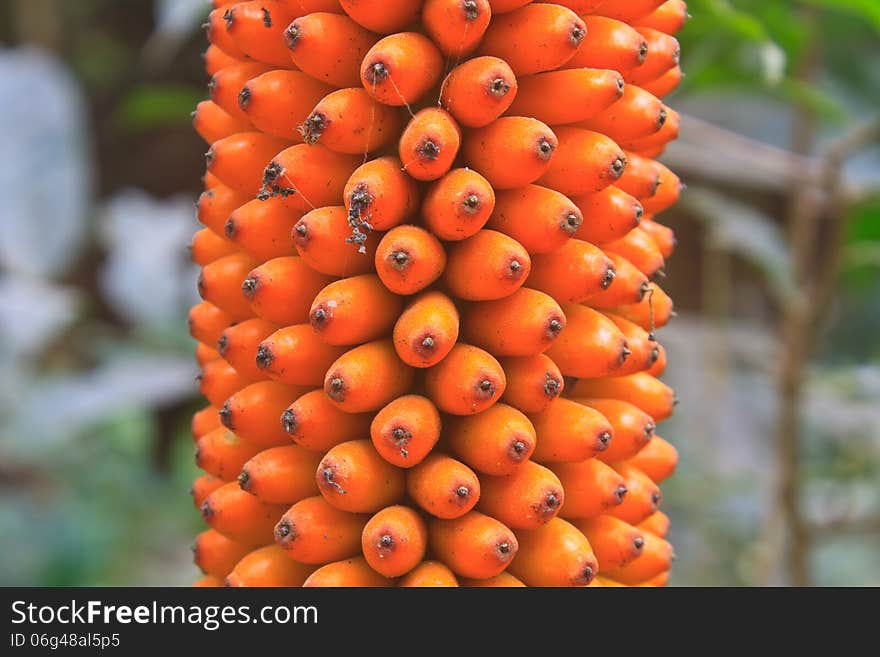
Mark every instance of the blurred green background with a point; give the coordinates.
(779, 480)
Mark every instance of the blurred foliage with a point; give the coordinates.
(96, 379)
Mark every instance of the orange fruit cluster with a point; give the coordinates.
(427, 335)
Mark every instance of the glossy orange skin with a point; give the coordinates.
(262, 228)
(315, 532)
(282, 290)
(663, 55)
(227, 83)
(641, 177)
(202, 486)
(218, 380)
(568, 431)
(657, 459)
(380, 195)
(240, 516)
(667, 193)
(350, 121)
(238, 345)
(638, 248)
(207, 322)
(657, 523)
(354, 310)
(526, 499)
(669, 17)
(588, 91)
(656, 558)
(239, 160)
(289, 175)
(215, 554)
(540, 219)
(585, 162)
(294, 355)
(573, 273)
(497, 441)
(653, 145)
(212, 122)
(662, 235)
(207, 246)
(627, 11)
(638, 114)
(633, 428)
(354, 478)
(615, 542)
(408, 259)
(479, 90)
(367, 377)
(511, 152)
(590, 346)
(458, 205)
(523, 324)
(221, 453)
(400, 68)
(665, 84)
(555, 554)
(316, 423)
(469, 380)
(429, 574)
(329, 47)
(427, 330)
(535, 38)
(256, 28)
(642, 390)
(533, 382)
(473, 545)
(216, 204)
(456, 28)
(405, 431)
(642, 345)
(278, 101)
(281, 475)
(591, 488)
(488, 265)
(349, 573)
(652, 312)
(268, 566)
(443, 486)
(220, 284)
(321, 238)
(610, 44)
(394, 540)
(216, 59)
(642, 499)
(630, 285)
(204, 420)
(383, 16)
(205, 354)
(429, 144)
(501, 580)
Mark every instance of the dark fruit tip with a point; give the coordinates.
(244, 97)
(225, 414)
(265, 356)
(288, 421)
(244, 480)
(249, 286)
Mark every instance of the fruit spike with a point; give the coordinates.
(429, 260)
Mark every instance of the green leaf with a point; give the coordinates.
(869, 10)
(151, 106)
